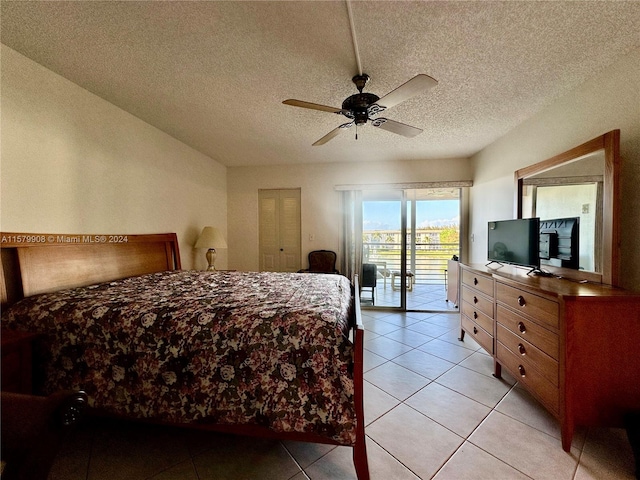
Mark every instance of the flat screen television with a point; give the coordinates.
(560, 242)
(515, 242)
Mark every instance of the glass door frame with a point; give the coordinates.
(353, 231)
(403, 244)
(403, 250)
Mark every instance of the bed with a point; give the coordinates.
(264, 354)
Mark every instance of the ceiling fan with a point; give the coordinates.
(361, 107)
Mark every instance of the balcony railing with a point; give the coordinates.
(428, 261)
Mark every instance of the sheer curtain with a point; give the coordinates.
(352, 233)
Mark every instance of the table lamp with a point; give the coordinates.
(211, 239)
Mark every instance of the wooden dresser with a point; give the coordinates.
(477, 307)
(574, 346)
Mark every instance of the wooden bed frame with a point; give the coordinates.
(39, 263)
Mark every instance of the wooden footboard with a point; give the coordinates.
(360, 448)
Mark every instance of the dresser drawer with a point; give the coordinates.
(478, 301)
(529, 354)
(526, 374)
(477, 316)
(523, 327)
(541, 309)
(482, 283)
(480, 335)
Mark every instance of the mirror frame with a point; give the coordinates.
(610, 144)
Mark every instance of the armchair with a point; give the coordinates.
(321, 261)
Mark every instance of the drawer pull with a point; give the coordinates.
(475, 331)
(521, 370)
(521, 349)
(475, 315)
(475, 299)
(522, 328)
(475, 281)
(521, 301)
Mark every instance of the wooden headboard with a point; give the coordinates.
(38, 263)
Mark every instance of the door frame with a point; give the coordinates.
(281, 256)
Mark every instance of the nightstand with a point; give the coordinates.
(17, 360)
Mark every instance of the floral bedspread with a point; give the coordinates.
(203, 347)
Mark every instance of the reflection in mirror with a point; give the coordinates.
(583, 183)
(567, 191)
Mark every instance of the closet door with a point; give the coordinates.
(279, 227)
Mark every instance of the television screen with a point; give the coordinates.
(515, 242)
(560, 242)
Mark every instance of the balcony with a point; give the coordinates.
(427, 262)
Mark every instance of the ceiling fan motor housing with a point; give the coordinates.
(358, 105)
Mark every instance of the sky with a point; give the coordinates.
(385, 215)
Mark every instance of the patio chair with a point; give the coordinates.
(369, 281)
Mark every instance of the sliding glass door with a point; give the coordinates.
(408, 236)
(383, 246)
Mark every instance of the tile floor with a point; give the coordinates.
(422, 296)
(432, 409)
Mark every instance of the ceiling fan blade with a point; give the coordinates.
(313, 106)
(333, 133)
(396, 127)
(416, 85)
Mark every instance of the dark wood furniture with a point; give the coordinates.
(321, 261)
(33, 429)
(572, 345)
(17, 361)
(478, 308)
(38, 263)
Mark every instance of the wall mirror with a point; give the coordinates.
(580, 183)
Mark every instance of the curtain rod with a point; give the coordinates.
(408, 185)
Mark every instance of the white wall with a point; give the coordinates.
(74, 163)
(321, 203)
(611, 100)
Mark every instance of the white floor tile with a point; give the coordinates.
(526, 449)
(446, 350)
(372, 360)
(409, 337)
(396, 380)
(481, 388)
(450, 409)
(421, 444)
(376, 402)
(471, 463)
(424, 363)
(385, 347)
(606, 455)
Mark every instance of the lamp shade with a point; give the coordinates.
(210, 238)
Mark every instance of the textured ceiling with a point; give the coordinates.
(214, 74)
